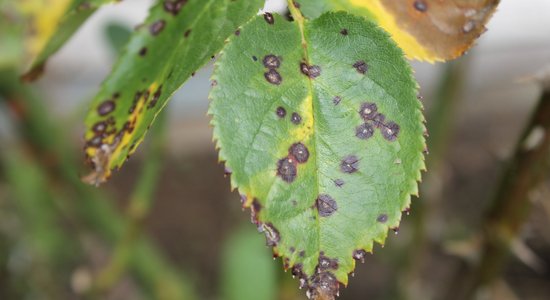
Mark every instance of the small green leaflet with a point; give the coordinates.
(78, 11)
(178, 38)
(320, 125)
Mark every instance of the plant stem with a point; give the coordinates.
(511, 205)
(138, 209)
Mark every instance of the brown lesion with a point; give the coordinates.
(446, 28)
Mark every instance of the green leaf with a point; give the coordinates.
(320, 125)
(54, 22)
(177, 39)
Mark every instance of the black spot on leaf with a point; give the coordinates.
(420, 5)
(382, 218)
(323, 285)
(350, 164)
(344, 31)
(368, 110)
(187, 33)
(157, 27)
(361, 66)
(273, 77)
(269, 18)
(360, 255)
(174, 7)
(300, 152)
(326, 263)
(336, 100)
(310, 71)
(390, 131)
(281, 112)
(286, 169)
(364, 131)
(326, 205)
(295, 118)
(99, 127)
(339, 182)
(106, 107)
(271, 61)
(271, 234)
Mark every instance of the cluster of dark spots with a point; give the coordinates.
(364, 131)
(336, 100)
(106, 107)
(157, 27)
(327, 263)
(281, 112)
(286, 263)
(174, 7)
(390, 131)
(295, 118)
(142, 51)
(361, 66)
(237, 32)
(382, 218)
(271, 61)
(326, 205)
(299, 151)
(271, 234)
(310, 71)
(255, 209)
(273, 77)
(287, 169)
(298, 271)
(420, 5)
(350, 164)
(360, 255)
(155, 98)
(187, 33)
(323, 285)
(373, 119)
(269, 18)
(344, 31)
(339, 182)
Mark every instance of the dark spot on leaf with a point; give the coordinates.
(271, 61)
(269, 18)
(227, 171)
(310, 71)
(187, 33)
(286, 169)
(323, 286)
(336, 100)
(281, 112)
(99, 127)
(364, 131)
(106, 107)
(157, 27)
(296, 4)
(295, 118)
(292, 249)
(273, 77)
(339, 182)
(254, 58)
(420, 5)
(271, 234)
(174, 7)
(300, 152)
(361, 66)
(390, 131)
(360, 255)
(368, 110)
(237, 32)
(326, 205)
(378, 120)
(155, 98)
(116, 95)
(326, 263)
(302, 253)
(382, 218)
(350, 164)
(344, 31)
(95, 142)
(255, 209)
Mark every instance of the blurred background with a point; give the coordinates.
(167, 226)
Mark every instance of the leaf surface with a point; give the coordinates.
(178, 38)
(428, 30)
(53, 22)
(319, 123)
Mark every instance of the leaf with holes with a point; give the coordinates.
(179, 37)
(53, 23)
(430, 30)
(321, 128)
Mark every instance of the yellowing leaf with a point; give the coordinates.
(427, 30)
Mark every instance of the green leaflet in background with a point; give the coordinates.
(320, 124)
(177, 39)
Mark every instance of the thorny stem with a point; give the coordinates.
(138, 209)
(511, 205)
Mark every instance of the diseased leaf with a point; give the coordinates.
(428, 30)
(320, 125)
(178, 38)
(52, 23)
